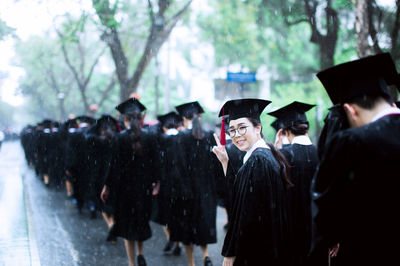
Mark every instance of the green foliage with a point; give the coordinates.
(5, 30)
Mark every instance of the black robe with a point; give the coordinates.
(195, 207)
(356, 190)
(303, 160)
(131, 177)
(258, 229)
(169, 182)
(76, 162)
(99, 153)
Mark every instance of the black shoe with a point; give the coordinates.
(111, 235)
(207, 261)
(141, 261)
(168, 246)
(177, 251)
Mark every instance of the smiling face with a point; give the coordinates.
(246, 141)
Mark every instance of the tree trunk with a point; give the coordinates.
(362, 28)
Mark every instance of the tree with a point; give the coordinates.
(72, 36)
(159, 31)
(382, 27)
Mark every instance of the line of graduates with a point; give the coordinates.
(288, 203)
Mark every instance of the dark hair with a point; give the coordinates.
(298, 128)
(197, 130)
(284, 165)
(369, 101)
(135, 130)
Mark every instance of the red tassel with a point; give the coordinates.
(222, 137)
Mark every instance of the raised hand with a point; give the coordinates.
(221, 153)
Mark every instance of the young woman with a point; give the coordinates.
(195, 206)
(134, 171)
(303, 159)
(258, 229)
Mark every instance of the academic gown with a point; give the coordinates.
(99, 155)
(225, 185)
(169, 180)
(303, 160)
(258, 229)
(76, 163)
(131, 178)
(195, 208)
(356, 190)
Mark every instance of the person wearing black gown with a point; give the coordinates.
(196, 206)
(76, 160)
(302, 156)
(98, 140)
(356, 185)
(258, 232)
(134, 171)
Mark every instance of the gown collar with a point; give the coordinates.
(302, 140)
(385, 112)
(259, 144)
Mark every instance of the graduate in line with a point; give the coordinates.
(356, 186)
(303, 159)
(135, 169)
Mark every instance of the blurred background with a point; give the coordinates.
(63, 57)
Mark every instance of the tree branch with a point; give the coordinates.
(107, 90)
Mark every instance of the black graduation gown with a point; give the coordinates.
(356, 190)
(225, 185)
(99, 153)
(258, 229)
(303, 160)
(194, 210)
(132, 176)
(169, 182)
(76, 162)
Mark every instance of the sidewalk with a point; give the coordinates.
(17, 241)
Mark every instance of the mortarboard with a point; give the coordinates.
(277, 124)
(366, 76)
(171, 117)
(189, 108)
(291, 113)
(243, 108)
(130, 105)
(239, 108)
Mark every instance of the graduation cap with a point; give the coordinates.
(251, 108)
(292, 113)
(171, 117)
(277, 124)
(188, 108)
(366, 76)
(130, 105)
(243, 108)
(85, 119)
(70, 123)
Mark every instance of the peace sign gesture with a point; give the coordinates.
(221, 153)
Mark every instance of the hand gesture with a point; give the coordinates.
(221, 153)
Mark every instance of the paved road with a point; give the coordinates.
(41, 226)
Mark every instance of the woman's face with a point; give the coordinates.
(252, 134)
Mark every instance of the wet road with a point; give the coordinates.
(41, 226)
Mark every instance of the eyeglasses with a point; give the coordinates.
(241, 131)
